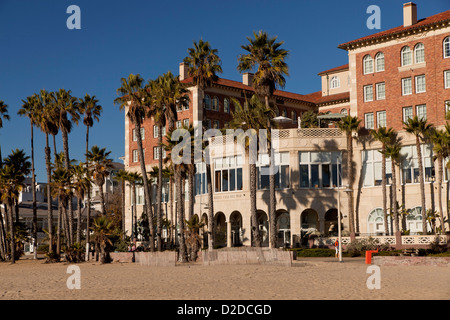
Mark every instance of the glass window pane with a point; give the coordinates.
(232, 179)
(239, 179)
(304, 157)
(325, 175)
(304, 176)
(218, 180)
(224, 180)
(315, 176)
(284, 176)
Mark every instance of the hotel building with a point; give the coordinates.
(389, 76)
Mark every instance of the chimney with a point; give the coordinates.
(247, 79)
(409, 14)
(183, 71)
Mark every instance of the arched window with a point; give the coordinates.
(294, 115)
(215, 104)
(375, 222)
(368, 64)
(207, 102)
(406, 56)
(334, 82)
(226, 105)
(414, 220)
(419, 53)
(344, 112)
(447, 47)
(379, 61)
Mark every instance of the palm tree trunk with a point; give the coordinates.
(33, 190)
(148, 202)
(67, 166)
(383, 190)
(272, 201)
(3, 248)
(49, 195)
(422, 187)
(58, 231)
(211, 234)
(439, 181)
(255, 228)
(88, 202)
(171, 208)
(191, 192)
(79, 221)
(102, 199)
(159, 192)
(350, 181)
(11, 232)
(394, 196)
(180, 208)
(123, 209)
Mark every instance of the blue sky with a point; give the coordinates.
(150, 37)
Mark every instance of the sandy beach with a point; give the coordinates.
(308, 278)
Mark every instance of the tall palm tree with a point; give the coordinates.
(269, 60)
(46, 123)
(3, 116)
(91, 110)
(254, 117)
(68, 108)
(30, 109)
(122, 177)
(131, 99)
(11, 183)
(134, 178)
(420, 129)
(348, 125)
(392, 151)
(99, 166)
(103, 228)
(81, 183)
(203, 66)
(384, 136)
(441, 150)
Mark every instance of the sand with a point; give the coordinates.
(308, 278)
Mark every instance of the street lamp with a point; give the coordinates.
(346, 190)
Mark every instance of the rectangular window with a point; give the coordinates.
(216, 124)
(368, 117)
(281, 168)
(142, 134)
(156, 153)
(406, 86)
(186, 123)
(421, 111)
(381, 91)
(410, 163)
(372, 168)
(407, 113)
(368, 93)
(135, 156)
(228, 174)
(447, 107)
(178, 124)
(381, 119)
(186, 106)
(447, 79)
(320, 169)
(420, 84)
(155, 131)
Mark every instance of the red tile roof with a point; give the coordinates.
(432, 20)
(344, 67)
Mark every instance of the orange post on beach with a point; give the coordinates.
(369, 256)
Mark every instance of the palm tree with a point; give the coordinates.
(81, 183)
(30, 109)
(420, 129)
(3, 116)
(134, 178)
(46, 122)
(265, 55)
(103, 228)
(100, 166)
(91, 110)
(67, 107)
(441, 150)
(122, 177)
(350, 124)
(131, 96)
(385, 136)
(203, 66)
(254, 117)
(11, 183)
(392, 151)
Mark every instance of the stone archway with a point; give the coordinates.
(331, 222)
(309, 220)
(236, 229)
(283, 228)
(220, 230)
(263, 227)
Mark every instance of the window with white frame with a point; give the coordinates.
(215, 104)
(406, 86)
(186, 123)
(447, 106)
(406, 56)
(368, 121)
(381, 119)
(135, 155)
(226, 105)
(142, 134)
(372, 168)
(334, 82)
(178, 124)
(375, 222)
(200, 179)
(419, 53)
(344, 112)
(447, 79)
(446, 46)
(320, 169)
(156, 153)
(367, 64)
(139, 195)
(281, 167)
(179, 108)
(228, 174)
(381, 91)
(186, 105)
(407, 113)
(420, 84)
(379, 62)
(207, 100)
(421, 111)
(410, 163)
(368, 93)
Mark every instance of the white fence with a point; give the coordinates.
(390, 240)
